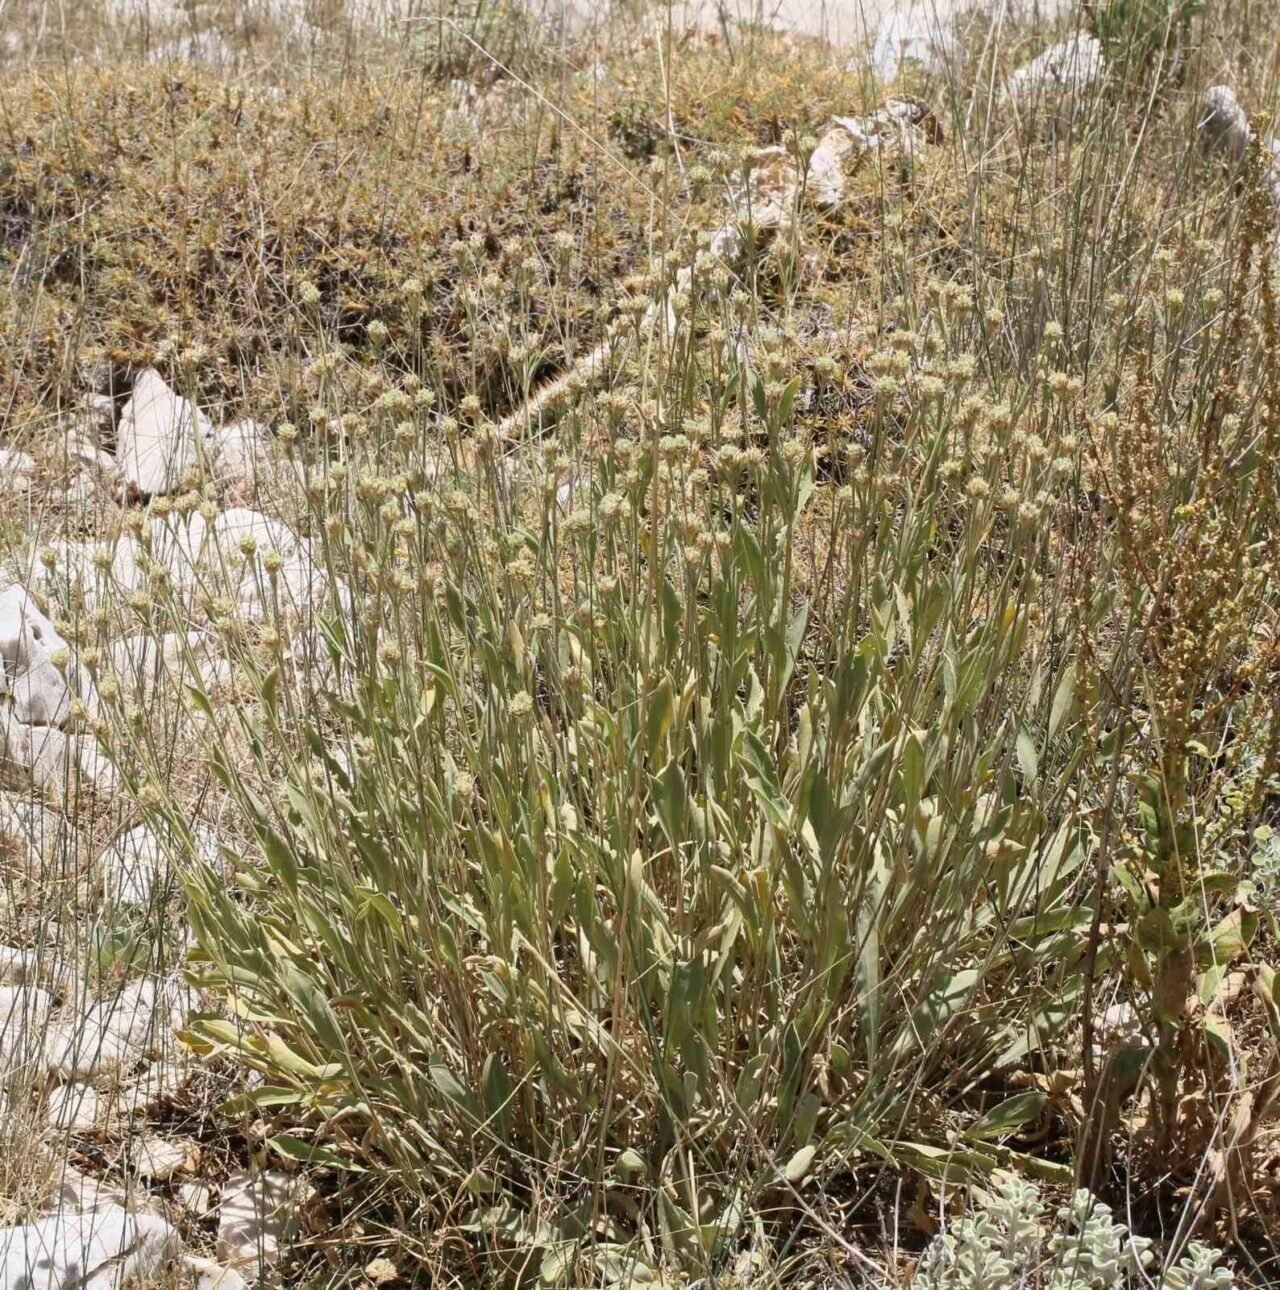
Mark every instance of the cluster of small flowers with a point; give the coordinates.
(1003, 1245)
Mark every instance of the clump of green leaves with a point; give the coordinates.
(658, 834)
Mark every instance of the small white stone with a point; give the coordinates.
(1223, 125)
(22, 1006)
(159, 1159)
(42, 966)
(196, 1198)
(17, 470)
(132, 862)
(41, 691)
(257, 1216)
(100, 1250)
(84, 495)
(72, 574)
(824, 183)
(920, 35)
(81, 1194)
(203, 48)
(221, 1279)
(129, 867)
(19, 967)
(177, 543)
(42, 837)
(75, 1108)
(82, 450)
(1059, 75)
(24, 1022)
(156, 437)
(118, 1032)
(240, 523)
(239, 451)
(149, 667)
(59, 763)
(299, 585)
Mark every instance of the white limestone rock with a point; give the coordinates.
(44, 966)
(75, 1108)
(102, 1250)
(162, 1159)
(40, 838)
(129, 867)
(1057, 79)
(239, 451)
(17, 471)
(73, 573)
(41, 689)
(80, 1193)
(24, 1022)
(1224, 127)
(19, 967)
(258, 1214)
(23, 1006)
(133, 862)
(118, 1033)
(202, 48)
(148, 666)
(58, 763)
(218, 1278)
(1225, 132)
(156, 440)
(919, 35)
(197, 1199)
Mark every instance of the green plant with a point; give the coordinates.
(663, 845)
(1153, 36)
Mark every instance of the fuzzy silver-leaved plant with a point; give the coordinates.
(1004, 1244)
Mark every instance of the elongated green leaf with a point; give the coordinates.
(1010, 1116)
(307, 1153)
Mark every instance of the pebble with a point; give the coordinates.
(215, 1278)
(82, 1194)
(43, 837)
(132, 862)
(203, 48)
(19, 967)
(129, 867)
(145, 665)
(24, 1021)
(1223, 125)
(17, 470)
(40, 689)
(196, 1198)
(1225, 130)
(239, 452)
(915, 35)
(117, 1033)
